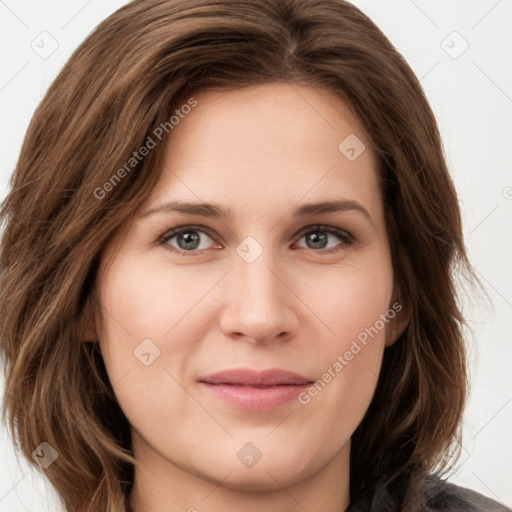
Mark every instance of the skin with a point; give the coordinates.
(261, 152)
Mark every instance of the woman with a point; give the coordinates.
(226, 272)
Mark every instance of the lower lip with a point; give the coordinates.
(256, 399)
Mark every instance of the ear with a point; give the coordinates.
(90, 333)
(398, 324)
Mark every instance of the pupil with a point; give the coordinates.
(319, 242)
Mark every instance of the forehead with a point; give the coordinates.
(262, 144)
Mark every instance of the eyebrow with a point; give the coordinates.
(217, 212)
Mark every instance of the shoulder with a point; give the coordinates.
(448, 497)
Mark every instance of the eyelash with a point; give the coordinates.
(344, 236)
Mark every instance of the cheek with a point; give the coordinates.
(350, 300)
(142, 299)
(355, 307)
(348, 370)
(148, 316)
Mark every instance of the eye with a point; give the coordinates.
(317, 237)
(187, 239)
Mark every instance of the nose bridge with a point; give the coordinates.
(257, 304)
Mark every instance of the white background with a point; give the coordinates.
(471, 96)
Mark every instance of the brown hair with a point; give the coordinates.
(136, 67)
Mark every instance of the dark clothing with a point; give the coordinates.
(439, 496)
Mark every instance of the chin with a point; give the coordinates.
(264, 479)
(267, 474)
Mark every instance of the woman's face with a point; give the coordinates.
(264, 286)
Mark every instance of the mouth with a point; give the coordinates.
(255, 390)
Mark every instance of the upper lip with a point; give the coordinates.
(249, 377)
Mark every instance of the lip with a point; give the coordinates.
(249, 377)
(248, 389)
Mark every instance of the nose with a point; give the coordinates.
(258, 306)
